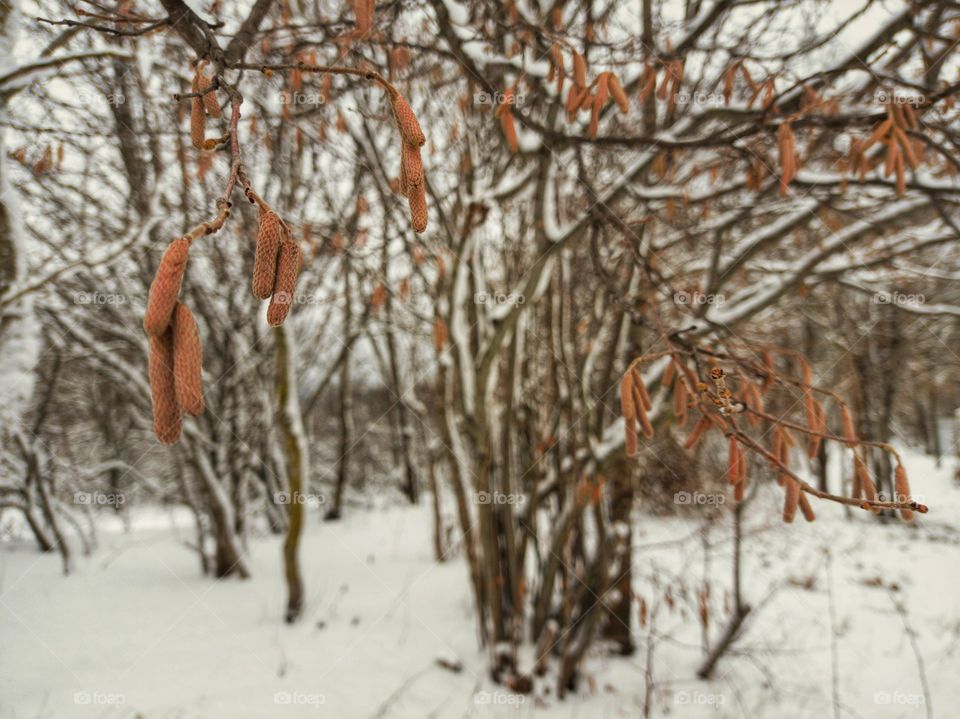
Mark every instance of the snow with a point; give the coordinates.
(137, 631)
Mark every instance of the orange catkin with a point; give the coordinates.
(187, 361)
(411, 166)
(616, 89)
(849, 433)
(902, 485)
(269, 237)
(806, 508)
(738, 490)
(867, 486)
(288, 267)
(210, 103)
(791, 499)
(417, 200)
(198, 123)
(510, 131)
(627, 407)
(642, 389)
(407, 121)
(630, 439)
(680, 400)
(166, 287)
(166, 411)
(734, 460)
(579, 70)
(702, 425)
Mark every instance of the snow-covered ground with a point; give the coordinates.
(135, 631)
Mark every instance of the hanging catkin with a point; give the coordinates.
(166, 287)
(627, 408)
(734, 460)
(417, 200)
(198, 123)
(411, 166)
(699, 428)
(187, 361)
(641, 388)
(791, 499)
(806, 508)
(902, 485)
(680, 400)
(269, 237)
(849, 433)
(407, 121)
(210, 103)
(166, 411)
(288, 267)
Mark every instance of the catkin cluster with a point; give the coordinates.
(276, 265)
(411, 182)
(175, 363)
(635, 404)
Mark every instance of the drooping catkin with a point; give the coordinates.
(210, 103)
(166, 411)
(417, 201)
(269, 237)
(806, 508)
(813, 445)
(734, 461)
(902, 486)
(407, 121)
(680, 400)
(411, 167)
(641, 388)
(669, 372)
(619, 96)
(187, 361)
(288, 267)
(630, 437)
(166, 287)
(579, 70)
(846, 421)
(702, 425)
(791, 499)
(770, 376)
(627, 408)
(198, 123)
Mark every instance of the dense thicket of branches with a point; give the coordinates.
(763, 188)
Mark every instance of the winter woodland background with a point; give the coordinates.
(689, 280)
